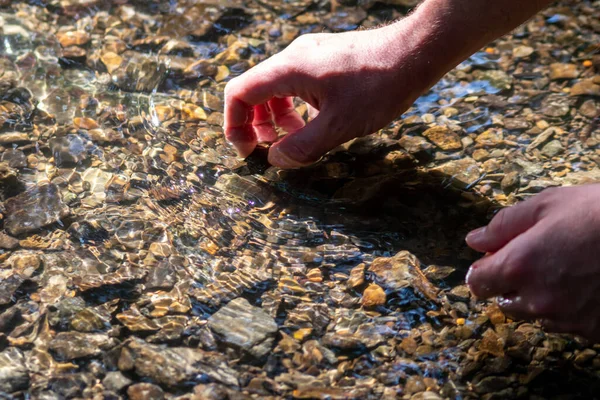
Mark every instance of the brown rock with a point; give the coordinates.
(463, 172)
(495, 315)
(85, 123)
(74, 53)
(160, 250)
(443, 137)
(357, 276)
(586, 87)
(510, 181)
(111, 61)
(491, 137)
(73, 38)
(164, 113)
(373, 296)
(8, 242)
(563, 71)
(403, 270)
(145, 391)
(415, 144)
(480, 154)
(522, 51)
(589, 109)
(492, 343)
(584, 356)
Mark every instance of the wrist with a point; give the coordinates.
(413, 56)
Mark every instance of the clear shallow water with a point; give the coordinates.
(120, 182)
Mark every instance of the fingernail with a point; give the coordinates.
(279, 159)
(476, 235)
(468, 277)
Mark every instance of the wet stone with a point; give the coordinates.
(8, 287)
(111, 61)
(402, 270)
(145, 391)
(174, 366)
(460, 293)
(373, 296)
(116, 381)
(73, 345)
(492, 384)
(8, 242)
(584, 356)
(462, 173)
(552, 149)
(444, 138)
(72, 38)
(563, 71)
(161, 277)
(491, 137)
(586, 87)
(415, 144)
(140, 76)
(589, 109)
(556, 107)
(510, 181)
(68, 149)
(14, 137)
(14, 158)
(522, 51)
(13, 373)
(243, 326)
(88, 320)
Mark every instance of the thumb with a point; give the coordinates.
(307, 145)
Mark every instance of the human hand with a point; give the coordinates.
(355, 83)
(544, 260)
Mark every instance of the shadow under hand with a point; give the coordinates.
(392, 198)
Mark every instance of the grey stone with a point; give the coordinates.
(13, 374)
(243, 326)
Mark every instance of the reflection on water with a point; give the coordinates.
(129, 222)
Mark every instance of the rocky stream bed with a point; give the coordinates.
(140, 259)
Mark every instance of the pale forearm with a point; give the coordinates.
(443, 33)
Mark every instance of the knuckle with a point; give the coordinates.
(514, 267)
(499, 221)
(541, 207)
(551, 191)
(308, 39)
(301, 152)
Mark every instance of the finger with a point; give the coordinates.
(244, 139)
(263, 124)
(306, 146)
(584, 322)
(511, 307)
(285, 114)
(506, 225)
(256, 86)
(510, 269)
(585, 328)
(537, 303)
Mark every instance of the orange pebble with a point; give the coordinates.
(587, 63)
(460, 321)
(489, 50)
